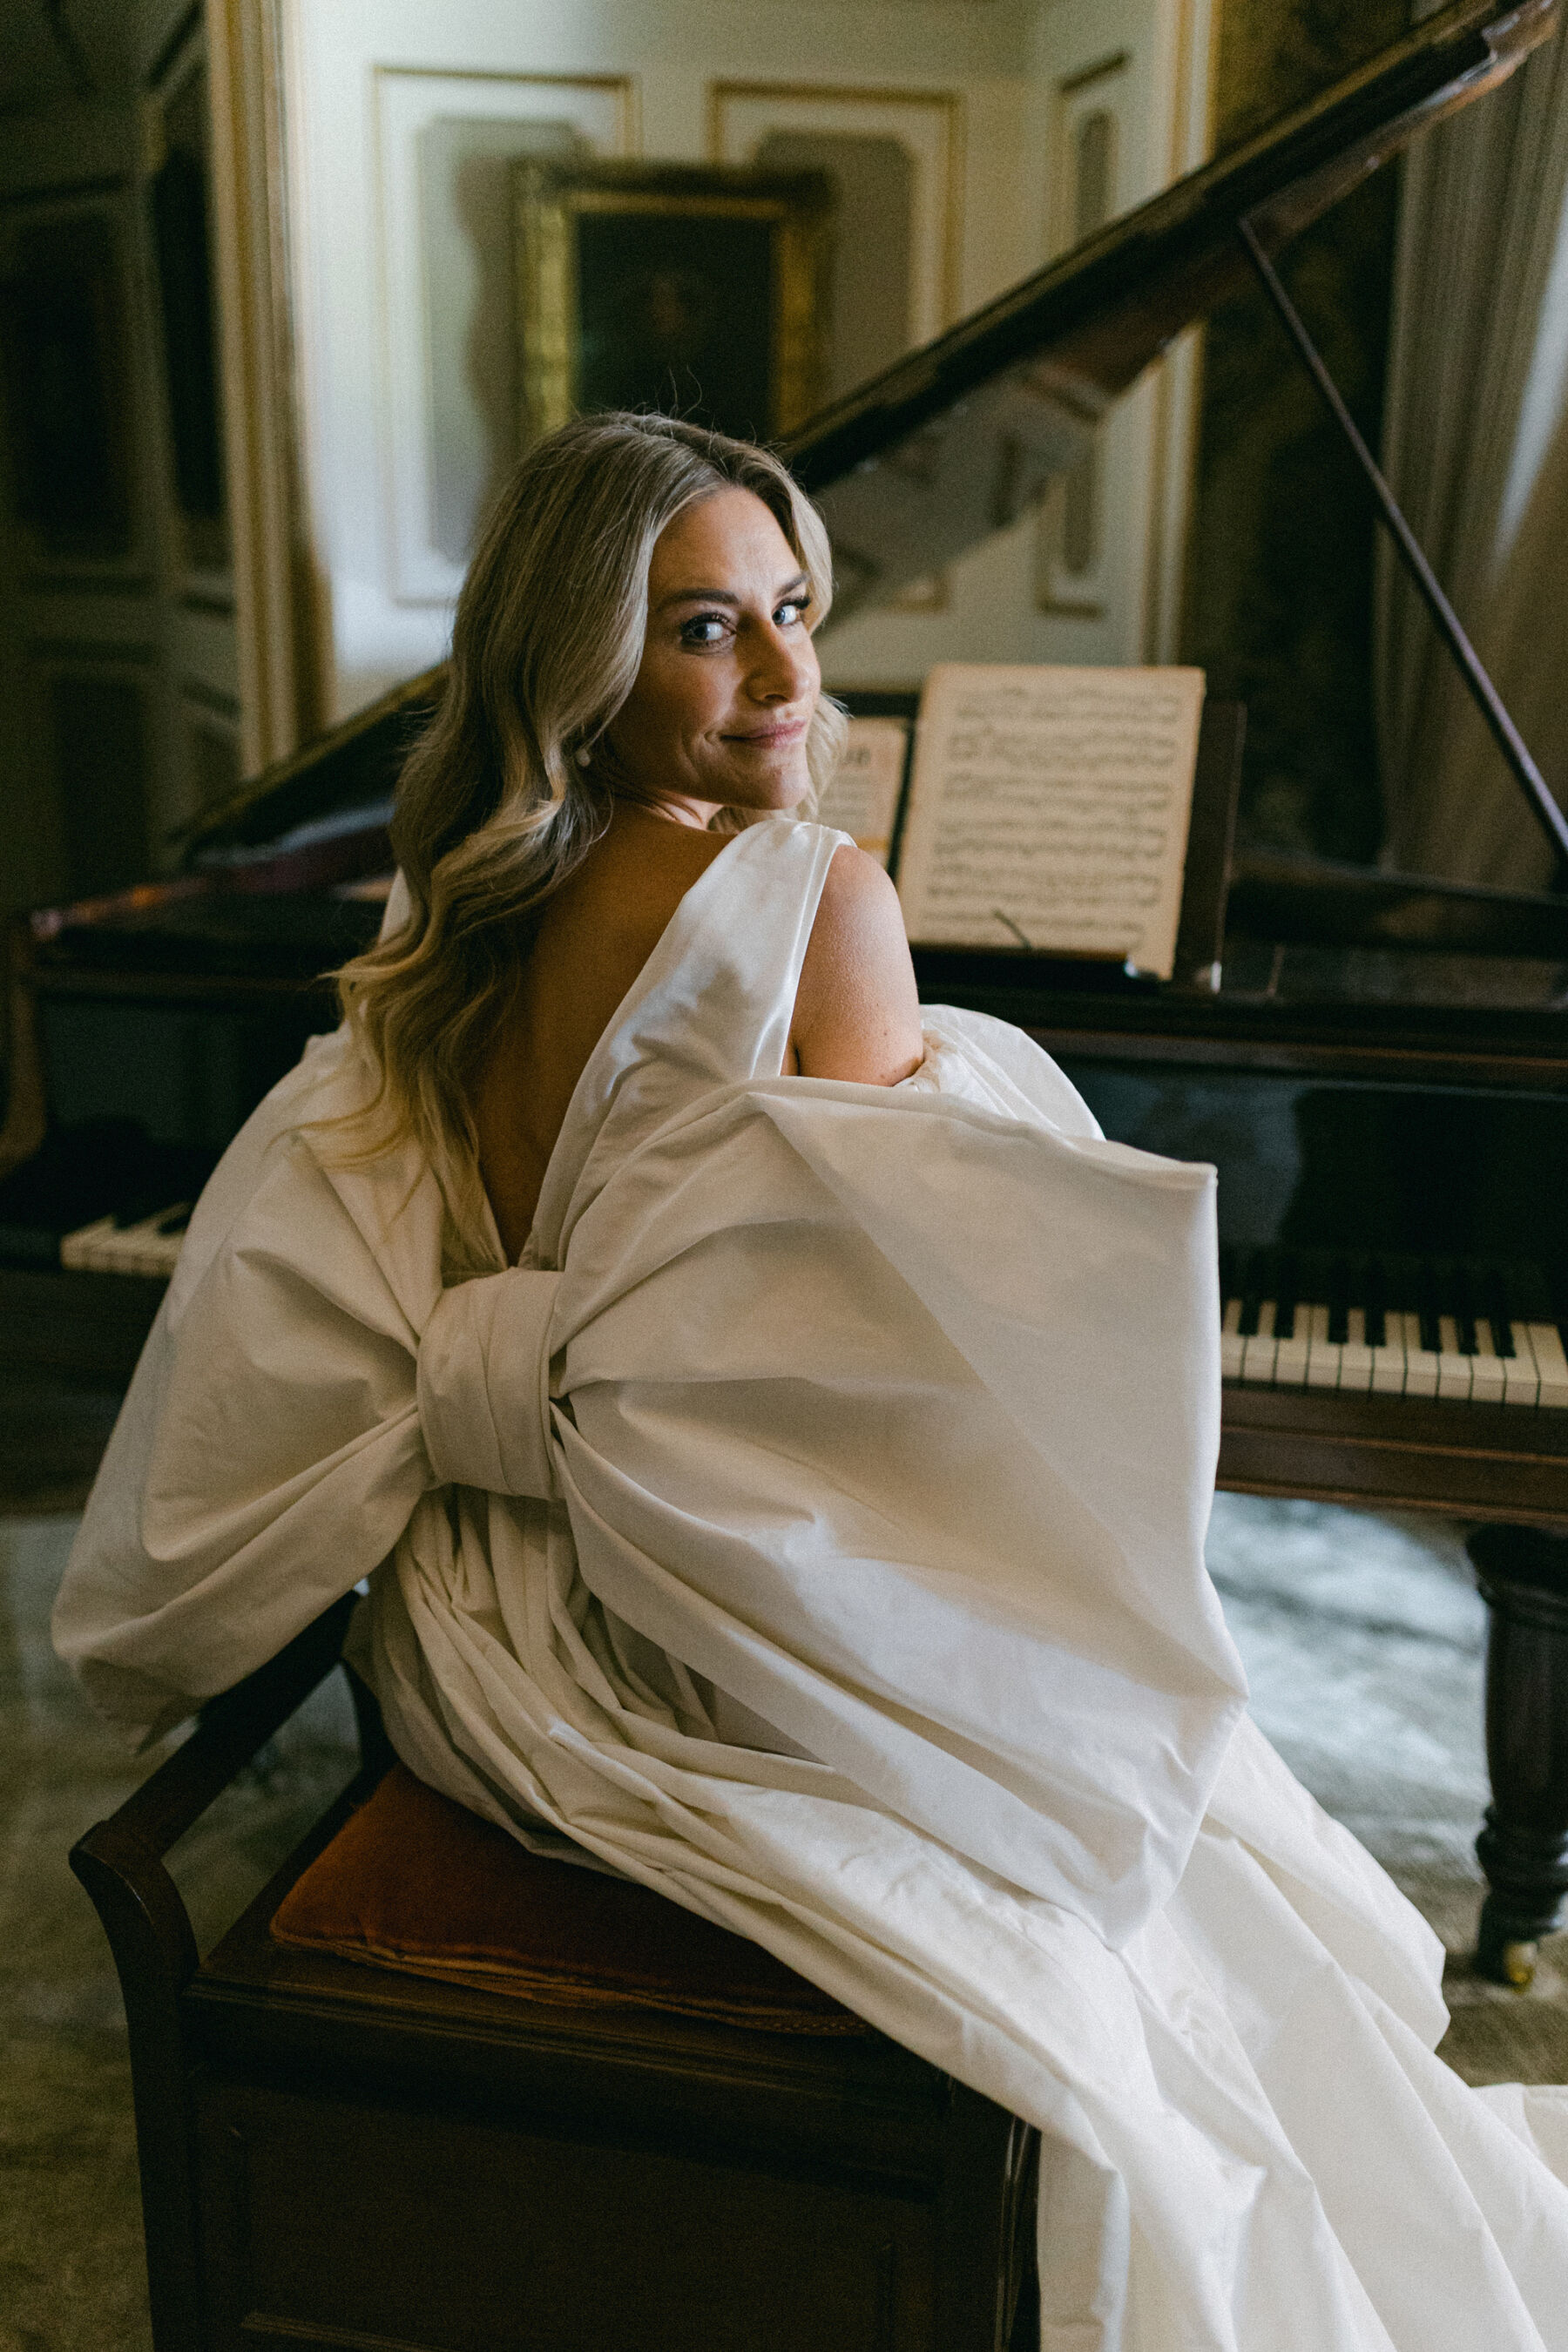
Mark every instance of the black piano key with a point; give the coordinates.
(1559, 1295)
(1229, 1276)
(1401, 1281)
(1429, 1306)
(1461, 1290)
(1536, 1300)
(1531, 1299)
(1337, 1286)
(1316, 1274)
(1498, 1309)
(137, 1206)
(1373, 1292)
(1287, 1290)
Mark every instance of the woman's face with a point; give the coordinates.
(728, 677)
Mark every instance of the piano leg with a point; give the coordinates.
(1523, 1849)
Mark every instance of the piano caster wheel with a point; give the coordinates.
(1504, 1955)
(1519, 1965)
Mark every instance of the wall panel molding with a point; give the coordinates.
(1088, 136)
(443, 144)
(926, 124)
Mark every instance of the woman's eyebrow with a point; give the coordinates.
(725, 595)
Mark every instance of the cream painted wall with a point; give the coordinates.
(1146, 70)
(387, 615)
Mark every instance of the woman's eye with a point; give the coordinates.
(706, 629)
(794, 609)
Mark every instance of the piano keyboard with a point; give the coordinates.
(122, 1245)
(1391, 1326)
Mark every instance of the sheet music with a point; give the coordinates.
(863, 798)
(1048, 809)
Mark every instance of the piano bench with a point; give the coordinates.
(432, 2090)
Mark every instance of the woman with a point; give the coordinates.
(779, 1437)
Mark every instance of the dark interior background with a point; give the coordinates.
(1279, 561)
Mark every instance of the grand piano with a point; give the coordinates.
(1377, 1063)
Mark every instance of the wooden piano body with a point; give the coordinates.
(1381, 1073)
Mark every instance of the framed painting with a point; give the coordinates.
(701, 290)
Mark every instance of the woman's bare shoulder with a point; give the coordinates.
(858, 885)
(859, 915)
(856, 1012)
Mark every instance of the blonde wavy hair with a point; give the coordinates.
(494, 809)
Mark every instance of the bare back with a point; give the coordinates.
(856, 1011)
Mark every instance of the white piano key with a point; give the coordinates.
(1421, 1364)
(76, 1250)
(1291, 1355)
(1388, 1361)
(1552, 1365)
(1453, 1367)
(1355, 1356)
(1230, 1340)
(1520, 1380)
(113, 1252)
(1487, 1366)
(142, 1249)
(160, 1249)
(1257, 1351)
(76, 1242)
(150, 1252)
(1322, 1353)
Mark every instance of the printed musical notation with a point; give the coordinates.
(1048, 809)
(863, 798)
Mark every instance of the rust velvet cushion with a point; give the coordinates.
(414, 1881)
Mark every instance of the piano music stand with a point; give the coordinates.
(1211, 846)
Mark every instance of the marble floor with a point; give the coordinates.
(72, 2278)
(1362, 1637)
(1364, 1642)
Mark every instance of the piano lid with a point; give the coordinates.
(952, 443)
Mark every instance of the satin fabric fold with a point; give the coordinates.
(483, 1362)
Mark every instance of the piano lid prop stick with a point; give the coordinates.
(1488, 700)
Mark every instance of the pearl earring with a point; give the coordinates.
(585, 757)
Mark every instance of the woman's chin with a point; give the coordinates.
(784, 791)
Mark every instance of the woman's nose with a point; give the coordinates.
(784, 667)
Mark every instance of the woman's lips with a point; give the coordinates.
(787, 731)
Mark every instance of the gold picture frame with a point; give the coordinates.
(700, 290)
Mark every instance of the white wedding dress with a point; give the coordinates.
(812, 1529)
